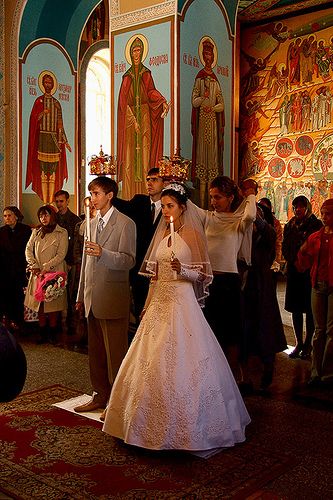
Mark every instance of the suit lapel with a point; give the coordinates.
(157, 220)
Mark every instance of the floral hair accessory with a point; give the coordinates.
(175, 187)
(51, 286)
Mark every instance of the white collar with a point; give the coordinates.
(157, 204)
(106, 216)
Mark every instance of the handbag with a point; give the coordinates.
(50, 286)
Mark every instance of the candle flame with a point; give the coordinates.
(87, 201)
(171, 218)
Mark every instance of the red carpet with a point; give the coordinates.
(50, 453)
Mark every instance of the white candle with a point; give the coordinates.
(87, 212)
(173, 248)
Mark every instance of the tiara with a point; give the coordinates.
(175, 187)
(174, 168)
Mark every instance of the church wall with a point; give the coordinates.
(42, 59)
(286, 95)
(196, 134)
(2, 92)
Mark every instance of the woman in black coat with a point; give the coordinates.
(298, 289)
(13, 239)
(263, 334)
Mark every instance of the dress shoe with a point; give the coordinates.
(296, 352)
(103, 415)
(246, 388)
(91, 405)
(314, 382)
(305, 353)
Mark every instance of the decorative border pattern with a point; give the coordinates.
(2, 114)
(121, 21)
(13, 160)
(114, 8)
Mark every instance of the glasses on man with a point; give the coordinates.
(152, 179)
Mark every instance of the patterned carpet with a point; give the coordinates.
(50, 453)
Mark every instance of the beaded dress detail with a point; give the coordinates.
(174, 389)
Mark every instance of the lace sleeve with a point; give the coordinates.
(191, 273)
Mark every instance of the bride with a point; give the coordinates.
(174, 389)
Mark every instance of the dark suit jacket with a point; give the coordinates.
(139, 210)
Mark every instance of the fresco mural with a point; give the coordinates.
(207, 123)
(206, 95)
(286, 110)
(47, 143)
(142, 100)
(48, 123)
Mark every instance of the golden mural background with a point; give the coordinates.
(286, 95)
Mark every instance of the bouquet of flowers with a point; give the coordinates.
(50, 286)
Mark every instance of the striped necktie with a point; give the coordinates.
(100, 226)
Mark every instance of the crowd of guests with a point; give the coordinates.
(228, 258)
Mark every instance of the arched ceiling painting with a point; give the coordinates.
(61, 21)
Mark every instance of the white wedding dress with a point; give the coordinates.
(174, 389)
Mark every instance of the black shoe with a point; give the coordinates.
(42, 339)
(305, 353)
(246, 388)
(296, 352)
(315, 382)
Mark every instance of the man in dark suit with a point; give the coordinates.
(67, 219)
(145, 210)
(104, 289)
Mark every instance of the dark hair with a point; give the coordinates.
(180, 197)
(267, 213)
(250, 181)
(47, 209)
(105, 183)
(300, 200)
(62, 192)
(15, 211)
(266, 202)
(153, 171)
(228, 187)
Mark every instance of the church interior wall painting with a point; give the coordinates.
(286, 95)
(142, 96)
(48, 124)
(206, 94)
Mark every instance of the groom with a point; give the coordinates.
(104, 289)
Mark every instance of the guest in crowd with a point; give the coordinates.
(13, 366)
(262, 333)
(68, 220)
(316, 254)
(145, 210)
(80, 321)
(104, 292)
(175, 389)
(298, 288)
(45, 252)
(266, 202)
(14, 236)
(228, 230)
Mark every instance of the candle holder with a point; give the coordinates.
(174, 168)
(102, 164)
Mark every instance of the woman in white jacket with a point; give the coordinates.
(228, 231)
(45, 252)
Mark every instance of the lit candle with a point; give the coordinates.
(173, 248)
(87, 213)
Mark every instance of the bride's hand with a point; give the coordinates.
(176, 266)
